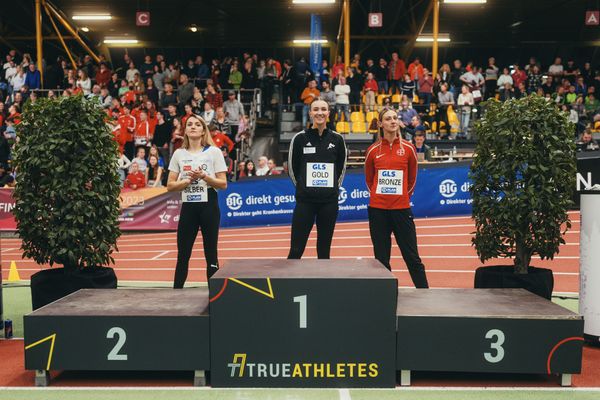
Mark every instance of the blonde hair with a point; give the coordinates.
(206, 139)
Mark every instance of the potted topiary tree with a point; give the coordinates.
(66, 195)
(523, 179)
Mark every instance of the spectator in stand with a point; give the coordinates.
(411, 129)
(406, 112)
(288, 93)
(249, 169)
(154, 173)
(426, 87)
(220, 139)
(263, 166)
(518, 75)
(168, 97)
(370, 89)
(356, 63)
(465, 101)
(6, 179)
(113, 85)
(18, 80)
(445, 99)
(491, 78)
(309, 94)
(534, 79)
(338, 66)
(507, 92)
(586, 142)
(592, 104)
(504, 79)
(370, 67)
(342, 101)
(556, 69)
(127, 123)
(587, 73)
(143, 134)
(185, 90)
(455, 78)
(4, 149)
(202, 71)
(10, 70)
(396, 71)
(228, 163)
(103, 75)
(407, 87)
(158, 78)
(187, 112)
(420, 146)
(241, 170)
(415, 70)
(135, 179)
(235, 77)
(83, 82)
(123, 165)
(571, 71)
(580, 86)
(323, 73)
(176, 135)
(355, 82)
(105, 98)
(273, 167)
(140, 159)
(381, 74)
(549, 86)
(151, 92)
(208, 114)
(532, 62)
(212, 96)
(474, 81)
(234, 110)
(221, 122)
(33, 78)
(162, 136)
(131, 72)
(571, 95)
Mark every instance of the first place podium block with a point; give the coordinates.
(309, 323)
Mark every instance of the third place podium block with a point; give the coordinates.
(303, 323)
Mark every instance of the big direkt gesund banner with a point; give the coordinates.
(269, 201)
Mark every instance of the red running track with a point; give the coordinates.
(444, 246)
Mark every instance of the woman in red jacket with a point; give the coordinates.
(391, 174)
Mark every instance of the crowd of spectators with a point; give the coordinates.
(148, 102)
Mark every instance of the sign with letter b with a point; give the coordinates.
(375, 20)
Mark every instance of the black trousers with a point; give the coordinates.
(382, 223)
(129, 150)
(195, 216)
(303, 220)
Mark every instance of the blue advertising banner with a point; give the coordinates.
(316, 55)
(269, 201)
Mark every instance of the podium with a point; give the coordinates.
(303, 323)
(120, 330)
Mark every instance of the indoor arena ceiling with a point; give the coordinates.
(268, 23)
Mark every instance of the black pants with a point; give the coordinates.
(194, 216)
(129, 150)
(382, 223)
(302, 222)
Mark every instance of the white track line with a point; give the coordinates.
(160, 255)
(345, 394)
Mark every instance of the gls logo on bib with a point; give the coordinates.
(319, 175)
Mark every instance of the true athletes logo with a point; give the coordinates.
(240, 368)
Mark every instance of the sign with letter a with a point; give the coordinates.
(592, 17)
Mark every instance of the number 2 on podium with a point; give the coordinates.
(301, 300)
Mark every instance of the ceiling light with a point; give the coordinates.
(309, 41)
(428, 37)
(313, 1)
(120, 41)
(516, 24)
(92, 17)
(465, 1)
(194, 28)
(85, 29)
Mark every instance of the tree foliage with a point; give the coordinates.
(523, 179)
(67, 190)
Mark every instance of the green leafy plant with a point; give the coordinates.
(67, 190)
(523, 179)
